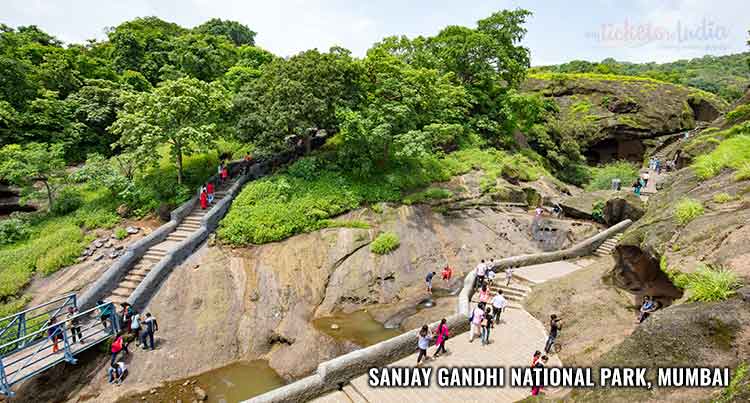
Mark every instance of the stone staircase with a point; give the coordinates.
(515, 293)
(156, 253)
(606, 248)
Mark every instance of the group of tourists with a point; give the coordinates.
(207, 190)
(440, 335)
(655, 165)
(55, 330)
(134, 327)
(640, 183)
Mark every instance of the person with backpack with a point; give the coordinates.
(74, 324)
(150, 326)
(423, 343)
(442, 335)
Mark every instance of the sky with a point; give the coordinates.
(558, 31)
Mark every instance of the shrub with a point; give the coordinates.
(385, 243)
(597, 211)
(306, 168)
(67, 201)
(429, 194)
(97, 217)
(121, 233)
(741, 112)
(708, 284)
(731, 153)
(13, 230)
(601, 177)
(687, 210)
(743, 173)
(722, 198)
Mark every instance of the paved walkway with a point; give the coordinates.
(513, 343)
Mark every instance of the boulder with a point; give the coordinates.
(132, 230)
(200, 393)
(123, 210)
(98, 244)
(624, 205)
(581, 206)
(164, 211)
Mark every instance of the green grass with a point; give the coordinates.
(121, 233)
(601, 176)
(385, 243)
(741, 112)
(345, 224)
(687, 210)
(722, 198)
(302, 199)
(426, 195)
(732, 153)
(735, 387)
(708, 284)
(581, 107)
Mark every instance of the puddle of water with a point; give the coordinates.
(233, 383)
(358, 327)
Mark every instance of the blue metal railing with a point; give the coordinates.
(27, 351)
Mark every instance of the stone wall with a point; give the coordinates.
(333, 374)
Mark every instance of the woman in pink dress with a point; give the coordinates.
(442, 334)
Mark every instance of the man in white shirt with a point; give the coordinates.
(498, 305)
(480, 271)
(116, 372)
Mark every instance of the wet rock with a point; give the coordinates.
(186, 383)
(109, 244)
(98, 244)
(200, 393)
(132, 230)
(114, 255)
(119, 247)
(98, 258)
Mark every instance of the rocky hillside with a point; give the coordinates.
(615, 117)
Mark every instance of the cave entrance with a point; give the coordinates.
(703, 111)
(10, 201)
(641, 274)
(609, 150)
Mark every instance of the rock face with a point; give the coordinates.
(614, 114)
(581, 206)
(622, 206)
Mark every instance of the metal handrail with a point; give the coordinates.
(37, 307)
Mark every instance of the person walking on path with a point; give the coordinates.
(554, 328)
(480, 271)
(441, 334)
(219, 170)
(476, 321)
(117, 346)
(447, 273)
(210, 192)
(490, 277)
(508, 275)
(54, 332)
(104, 313)
(645, 178)
(541, 363)
(535, 358)
(74, 324)
(637, 187)
(204, 200)
(428, 280)
(224, 174)
(150, 326)
(423, 343)
(484, 294)
(135, 329)
(486, 326)
(498, 305)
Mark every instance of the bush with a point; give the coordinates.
(743, 173)
(708, 284)
(67, 201)
(58, 257)
(429, 194)
(13, 230)
(385, 243)
(120, 233)
(601, 177)
(97, 217)
(597, 211)
(741, 112)
(687, 210)
(722, 198)
(731, 153)
(306, 168)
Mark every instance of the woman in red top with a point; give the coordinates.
(447, 273)
(204, 200)
(224, 173)
(210, 191)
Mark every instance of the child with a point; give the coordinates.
(423, 343)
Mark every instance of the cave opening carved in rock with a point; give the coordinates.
(639, 273)
(610, 149)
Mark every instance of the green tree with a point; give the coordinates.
(33, 163)
(183, 114)
(205, 57)
(238, 33)
(296, 97)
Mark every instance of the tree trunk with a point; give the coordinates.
(178, 154)
(49, 194)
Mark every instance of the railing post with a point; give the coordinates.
(21, 330)
(68, 352)
(4, 387)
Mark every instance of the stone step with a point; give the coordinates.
(508, 292)
(160, 249)
(153, 256)
(135, 277)
(190, 227)
(142, 271)
(514, 286)
(122, 292)
(129, 284)
(191, 220)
